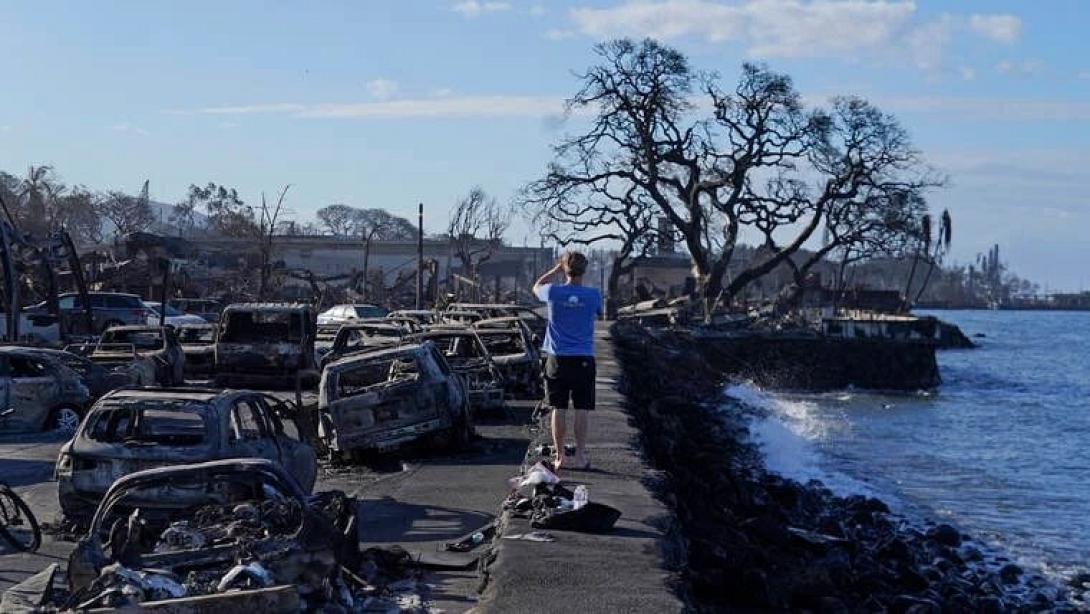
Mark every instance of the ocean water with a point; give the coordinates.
(1001, 449)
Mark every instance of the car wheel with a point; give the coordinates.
(64, 420)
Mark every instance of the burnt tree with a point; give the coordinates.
(475, 230)
(757, 164)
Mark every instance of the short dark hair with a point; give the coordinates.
(575, 263)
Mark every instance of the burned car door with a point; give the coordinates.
(296, 454)
(32, 391)
(249, 434)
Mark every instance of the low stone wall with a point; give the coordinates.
(814, 362)
(755, 540)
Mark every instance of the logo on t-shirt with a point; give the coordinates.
(573, 301)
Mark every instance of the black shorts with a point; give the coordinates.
(569, 377)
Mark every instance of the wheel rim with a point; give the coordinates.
(67, 420)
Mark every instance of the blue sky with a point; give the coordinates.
(385, 104)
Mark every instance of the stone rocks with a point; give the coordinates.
(760, 541)
(1010, 573)
(945, 535)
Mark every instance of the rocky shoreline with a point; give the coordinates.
(757, 540)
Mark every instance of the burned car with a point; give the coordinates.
(39, 392)
(422, 317)
(463, 317)
(241, 532)
(98, 379)
(512, 347)
(264, 342)
(130, 430)
(361, 336)
(151, 354)
(390, 397)
(469, 358)
(534, 320)
(198, 343)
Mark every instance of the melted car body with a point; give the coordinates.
(131, 430)
(264, 342)
(151, 354)
(196, 521)
(38, 391)
(387, 398)
(469, 358)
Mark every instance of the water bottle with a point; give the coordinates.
(580, 498)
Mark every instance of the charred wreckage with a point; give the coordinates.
(199, 499)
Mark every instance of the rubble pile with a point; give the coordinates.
(756, 540)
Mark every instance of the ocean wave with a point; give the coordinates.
(785, 430)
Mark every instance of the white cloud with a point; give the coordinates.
(989, 108)
(129, 128)
(770, 28)
(228, 125)
(1023, 68)
(850, 29)
(382, 89)
(968, 73)
(473, 8)
(5, 128)
(999, 28)
(928, 42)
(278, 107)
(556, 34)
(440, 107)
(537, 10)
(441, 92)
(1084, 75)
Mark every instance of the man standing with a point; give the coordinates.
(569, 350)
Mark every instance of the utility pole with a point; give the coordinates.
(420, 258)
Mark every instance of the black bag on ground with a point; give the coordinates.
(591, 518)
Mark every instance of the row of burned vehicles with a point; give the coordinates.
(382, 384)
(190, 492)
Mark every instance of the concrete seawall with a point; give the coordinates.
(627, 570)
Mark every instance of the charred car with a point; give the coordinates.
(241, 533)
(379, 400)
(150, 354)
(98, 379)
(264, 342)
(462, 317)
(131, 430)
(422, 317)
(514, 352)
(468, 356)
(39, 392)
(198, 343)
(362, 336)
(534, 320)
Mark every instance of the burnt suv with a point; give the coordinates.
(134, 429)
(380, 400)
(266, 343)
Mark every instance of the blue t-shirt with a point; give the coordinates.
(572, 311)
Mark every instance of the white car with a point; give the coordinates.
(339, 314)
(174, 317)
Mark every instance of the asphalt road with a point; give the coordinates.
(418, 500)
